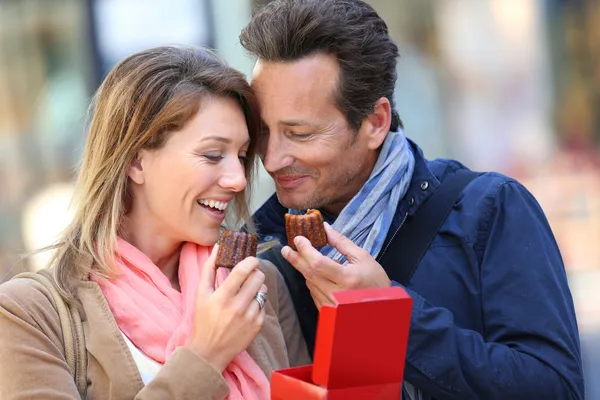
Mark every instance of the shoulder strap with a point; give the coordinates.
(71, 327)
(407, 248)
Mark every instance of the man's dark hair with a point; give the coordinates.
(350, 30)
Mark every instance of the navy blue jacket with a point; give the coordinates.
(493, 316)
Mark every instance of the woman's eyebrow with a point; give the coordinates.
(221, 139)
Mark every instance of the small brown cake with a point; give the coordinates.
(234, 246)
(309, 225)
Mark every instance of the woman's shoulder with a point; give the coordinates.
(28, 300)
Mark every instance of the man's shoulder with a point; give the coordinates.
(490, 194)
(486, 184)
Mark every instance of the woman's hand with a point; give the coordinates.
(229, 318)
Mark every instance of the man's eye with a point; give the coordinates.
(299, 136)
(213, 158)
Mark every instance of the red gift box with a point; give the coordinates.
(359, 350)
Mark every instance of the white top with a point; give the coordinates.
(147, 366)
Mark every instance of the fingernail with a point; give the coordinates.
(297, 240)
(284, 251)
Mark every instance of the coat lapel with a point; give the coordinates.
(106, 346)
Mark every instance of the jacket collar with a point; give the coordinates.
(104, 342)
(423, 183)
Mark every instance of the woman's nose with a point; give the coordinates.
(234, 177)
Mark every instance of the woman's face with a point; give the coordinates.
(182, 190)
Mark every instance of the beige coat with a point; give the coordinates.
(32, 356)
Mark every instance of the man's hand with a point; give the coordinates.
(325, 276)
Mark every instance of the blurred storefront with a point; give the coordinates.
(53, 55)
(46, 79)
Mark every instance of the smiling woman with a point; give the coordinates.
(169, 153)
(189, 183)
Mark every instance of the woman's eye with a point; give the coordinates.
(243, 158)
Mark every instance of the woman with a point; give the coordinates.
(169, 153)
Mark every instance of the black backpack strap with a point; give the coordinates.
(405, 251)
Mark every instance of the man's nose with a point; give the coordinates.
(276, 154)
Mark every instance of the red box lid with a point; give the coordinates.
(362, 340)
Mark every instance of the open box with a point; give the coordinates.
(359, 350)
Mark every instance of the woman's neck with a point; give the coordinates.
(162, 251)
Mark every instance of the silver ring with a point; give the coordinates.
(261, 299)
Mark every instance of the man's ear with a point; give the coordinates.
(377, 123)
(136, 170)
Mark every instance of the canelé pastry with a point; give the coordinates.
(309, 225)
(234, 246)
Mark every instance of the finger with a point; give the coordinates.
(324, 286)
(259, 320)
(296, 260)
(251, 287)
(209, 272)
(322, 290)
(318, 264)
(341, 243)
(254, 308)
(234, 281)
(319, 298)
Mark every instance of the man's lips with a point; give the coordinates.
(288, 181)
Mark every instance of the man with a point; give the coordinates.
(493, 316)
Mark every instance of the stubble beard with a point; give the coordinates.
(341, 181)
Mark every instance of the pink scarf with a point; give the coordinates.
(158, 318)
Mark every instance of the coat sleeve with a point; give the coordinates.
(294, 340)
(185, 375)
(33, 364)
(529, 348)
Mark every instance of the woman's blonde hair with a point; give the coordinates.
(144, 98)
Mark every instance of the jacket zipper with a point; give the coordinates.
(393, 236)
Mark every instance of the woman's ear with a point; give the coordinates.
(377, 123)
(136, 170)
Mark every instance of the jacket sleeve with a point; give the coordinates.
(185, 375)
(530, 345)
(33, 364)
(294, 341)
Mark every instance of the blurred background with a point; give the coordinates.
(505, 85)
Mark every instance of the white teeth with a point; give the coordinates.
(219, 205)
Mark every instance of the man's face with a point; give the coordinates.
(316, 159)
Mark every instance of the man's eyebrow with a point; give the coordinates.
(299, 122)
